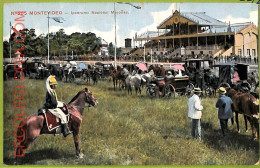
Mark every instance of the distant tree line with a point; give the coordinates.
(61, 44)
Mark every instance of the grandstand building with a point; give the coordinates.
(195, 33)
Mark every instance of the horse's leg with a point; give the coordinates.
(76, 142)
(245, 119)
(114, 83)
(237, 122)
(130, 89)
(254, 130)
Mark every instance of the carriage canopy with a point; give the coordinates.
(82, 65)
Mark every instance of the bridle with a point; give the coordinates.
(89, 105)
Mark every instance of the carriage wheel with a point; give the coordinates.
(71, 77)
(149, 93)
(169, 91)
(189, 88)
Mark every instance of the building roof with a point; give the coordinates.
(202, 19)
(199, 18)
(233, 28)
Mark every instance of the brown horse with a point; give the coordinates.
(246, 104)
(156, 69)
(35, 124)
(117, 76)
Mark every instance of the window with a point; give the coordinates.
(248, 52)
(253, 52)
(239, 52)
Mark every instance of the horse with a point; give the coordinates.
(95, 74)
(117, 75)
(156, 70)
(86, 75)
(136, 81)
(246, 104)
(35, 125)
(148, 78)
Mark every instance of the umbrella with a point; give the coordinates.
(142, 66)
(179, 66)
(82, 65)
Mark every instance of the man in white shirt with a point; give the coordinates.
(194, 113)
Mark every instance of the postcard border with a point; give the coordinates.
(85, 1)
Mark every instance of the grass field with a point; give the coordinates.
(128, 130)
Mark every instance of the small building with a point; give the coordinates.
(246, 41)
(128, 47)
(103, 48)
(128, 43)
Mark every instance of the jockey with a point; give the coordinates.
(52, 103)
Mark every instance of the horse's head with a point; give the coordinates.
(90, 98)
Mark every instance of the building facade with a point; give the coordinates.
(195, 33)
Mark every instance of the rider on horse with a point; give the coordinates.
(52, 103)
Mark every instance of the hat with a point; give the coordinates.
(161, 64)
(52, 80)
(197, 90)
(222, 90)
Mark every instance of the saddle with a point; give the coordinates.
(52, 121)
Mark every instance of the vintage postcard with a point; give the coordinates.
(130, 83)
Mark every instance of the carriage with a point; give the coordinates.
(103, 69)
(235, 75)
(171, 85)
(197, 70)
(10, 71)
(55, 69)
(73, 70)
(36, 69)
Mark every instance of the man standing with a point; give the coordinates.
(225, 106)
(194, 113)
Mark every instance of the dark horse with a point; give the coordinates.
(117, 75)
(246, 104)
(158, 71)
(35, 124)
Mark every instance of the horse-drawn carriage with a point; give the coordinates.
(10, 71)
(235, 75)
(55, 69)
(103, 69)
(169, 85)
(36, 69)
(73, 70)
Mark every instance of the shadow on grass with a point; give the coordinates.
(212, 138)
(36, 156)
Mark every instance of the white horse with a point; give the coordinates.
(136, 81)
(148, 78)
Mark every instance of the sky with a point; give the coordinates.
(128, 22)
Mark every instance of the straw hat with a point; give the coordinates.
(222, 90)
(197, 90)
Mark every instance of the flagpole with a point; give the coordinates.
(115, 31)
(48, 41)
(10, 42)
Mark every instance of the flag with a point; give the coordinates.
(58, 19)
